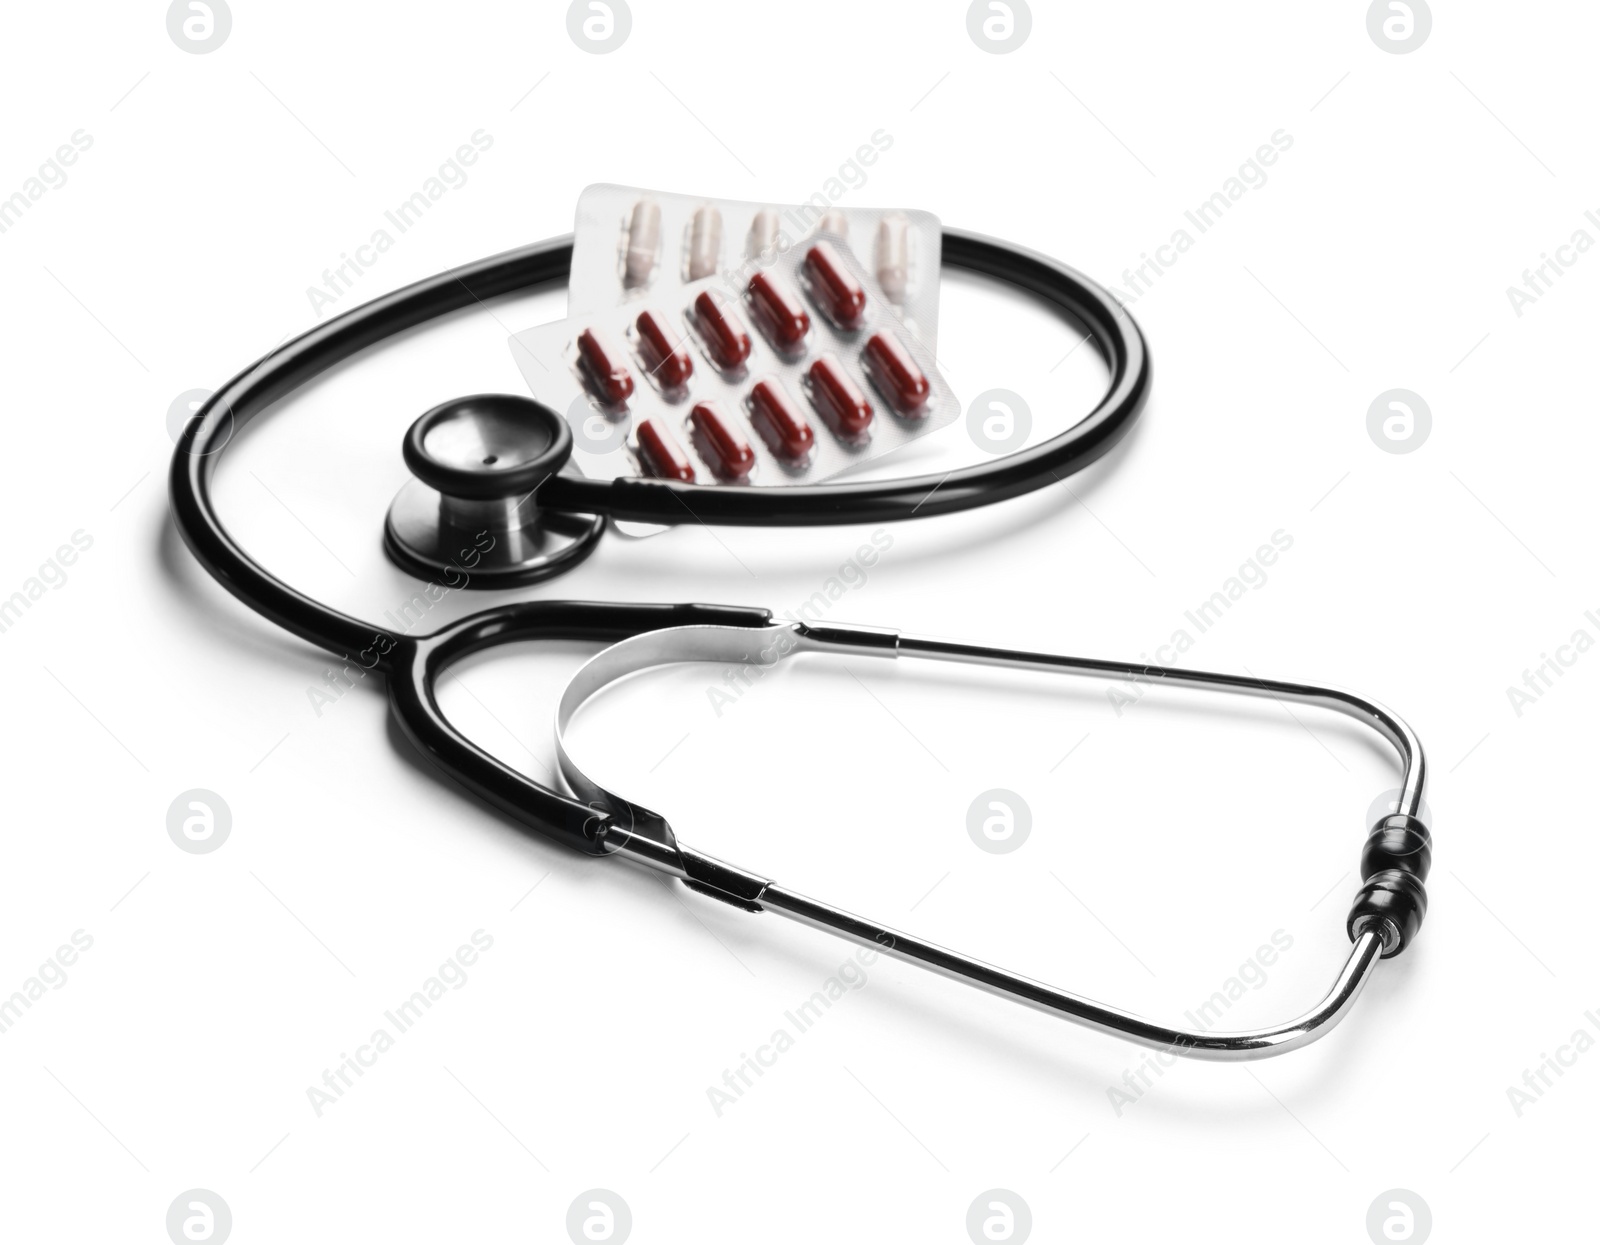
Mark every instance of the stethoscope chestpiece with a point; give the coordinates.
(470, 507)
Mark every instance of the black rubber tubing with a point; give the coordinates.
(417, 665)
(413, 664)
(279, 373)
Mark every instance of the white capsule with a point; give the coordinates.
(893, 256)
(643, 244)
(704, 249)
(763, 237)
(834, 222)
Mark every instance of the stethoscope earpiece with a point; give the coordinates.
(476, 463)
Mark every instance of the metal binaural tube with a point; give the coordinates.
(1192, 1043)
(1368, 712)
(644, 837)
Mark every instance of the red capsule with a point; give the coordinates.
(835, 288)
(896, 374)
(661, 455)
(780, 423)
(721, 330)
(781, 315)
(719, 442)
(843, 407)
(666, 358)
(604, 369)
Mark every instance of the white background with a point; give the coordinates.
(1165, 849)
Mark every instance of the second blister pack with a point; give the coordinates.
(633, 244)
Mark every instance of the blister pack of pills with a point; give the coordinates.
(632, 244)
(801, 373)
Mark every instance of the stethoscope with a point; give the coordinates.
(493, 500)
